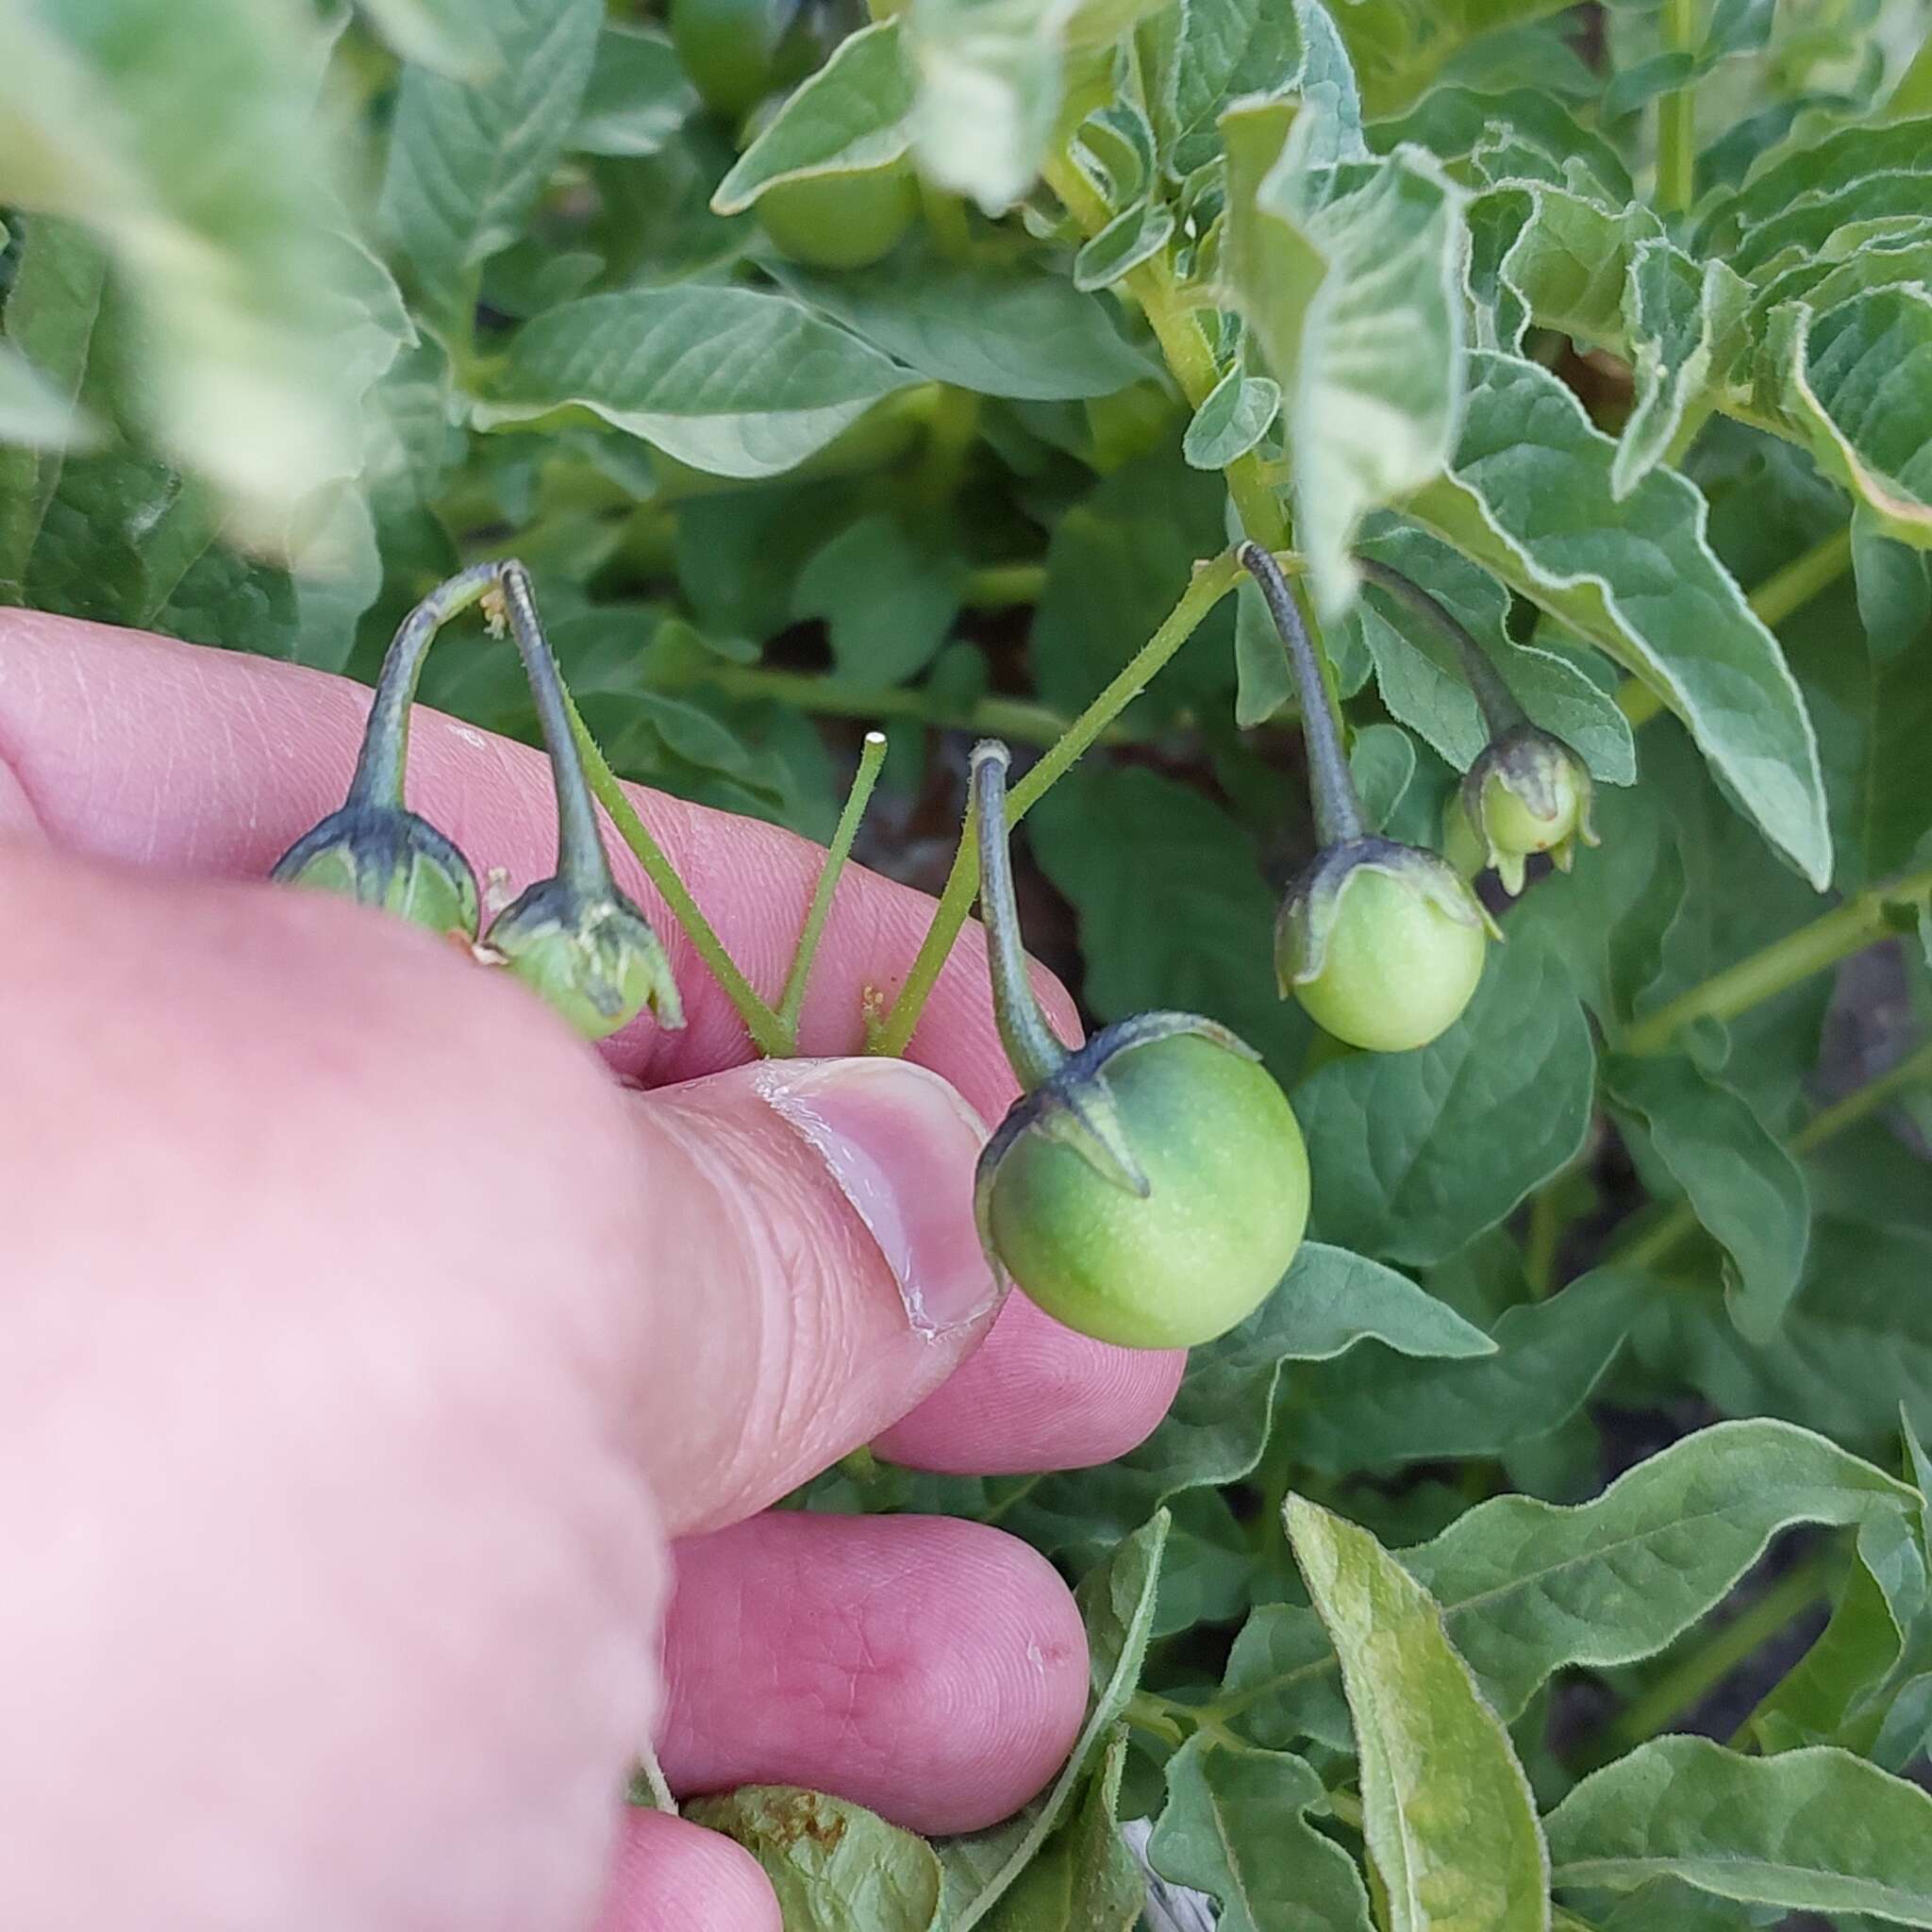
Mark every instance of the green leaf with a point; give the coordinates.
(1527, 1586)
(219, 221)
(1083, 1879)
(1382, 763)
(1528, 497)
(835, 1866)
(1856, 382)
(1134, 236)
(32, 410)
(1235, 415)
(1117, 1601)
(1446, 1809)
(467, 160)
(1400, 48)
(1371, 1410)
(1818, 1830)
(852, 116)
(728, 380)
(1350, 280)
(1417, 1153)
(1679, 317)
(443, 34)
(1027, 335)
(1116, 842)
(889, 601)
(637, 97)
(1235, 1826)
(1220, 51)
(1450, 120)
(1744, 1189)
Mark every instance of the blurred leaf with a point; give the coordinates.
(467, 160)
(1818, 1830)
(1446, 1809)
(637, 97)
(1236, 1826)
(888, 599)
(1083, 1879)
(446, 34)
(730, 381)
(835, 1866)
(32, 410)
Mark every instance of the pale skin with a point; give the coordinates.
(390, 1397)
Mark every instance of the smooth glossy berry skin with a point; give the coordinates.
(1226, 1199)
(840, 221)
(735, 51)
(383, 856)
(1397, 968)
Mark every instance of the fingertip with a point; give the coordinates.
(667, 1874)
(1037, 1395)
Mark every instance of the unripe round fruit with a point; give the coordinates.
(1397, 969)
(595, 959)
(1227, 1197)
(732, 49)
(1512, 826)
(840, 221)
(383, 856)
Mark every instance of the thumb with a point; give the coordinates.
(813, 1271)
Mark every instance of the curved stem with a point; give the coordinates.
(1339, 815)
(1034, 1050)
(380, 764)
(1495, 699)
(791, 1002)
(1848, 929)
(582, 860)
(1212, 582)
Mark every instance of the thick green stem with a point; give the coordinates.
(1339, 815)
(1848, 929)
(1693, 1678)
(1003, 586)
(1495, 699)
(1034, 1050)
(385, 754)
(582, 860)
(768, 1034)
(1212, 582)
(1676, 116)
(1780, 595)
(872, 756)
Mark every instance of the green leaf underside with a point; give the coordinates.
(1807, 1830)
(1447, 1812)
(1528, 495)
(730, 381)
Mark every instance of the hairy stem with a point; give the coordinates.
(1676, 116)
(872, 756)
(1339, 815)
(1211, 583)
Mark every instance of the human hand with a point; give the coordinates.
(366, 1342)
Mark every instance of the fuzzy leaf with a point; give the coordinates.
(1235, 415)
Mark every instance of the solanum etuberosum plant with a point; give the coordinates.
(1384, 472)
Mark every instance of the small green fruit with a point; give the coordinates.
(1528, 793)
(592, 956)
(736, 51)
(1153, 1191)
(380, 855)
(1382, 944)
(840, 221)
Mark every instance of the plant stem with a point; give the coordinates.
(807, 690)
(768, 1034)
(1033, 1050)
(1780, 595)
(791, 1002)
(1546, 1224)
(582, 860)
(1676, 116)
(1847, 929)
(1001, 586)
(1212, 582)
(381, 762)
(1495, 699)
(1339, 816)
(1693, 1678)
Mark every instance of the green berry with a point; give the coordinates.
(840, 221)
(735, 51)
(591, 956)
(1528, 793)
(383, 856)
(1173, 1222)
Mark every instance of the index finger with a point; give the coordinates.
(212, 763)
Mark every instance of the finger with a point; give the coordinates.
(1036, 1397)
(812, 1223)
(930, 1669)
(670, 1875)
(214, 762)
